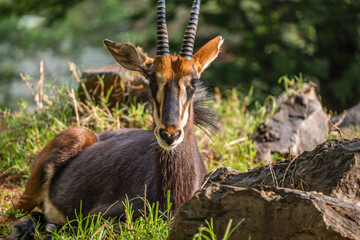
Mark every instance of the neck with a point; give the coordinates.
(181, 169)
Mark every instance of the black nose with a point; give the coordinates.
(169, 138)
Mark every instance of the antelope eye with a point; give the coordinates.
(152, 78)
(194, 81)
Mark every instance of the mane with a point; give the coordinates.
(204, 117)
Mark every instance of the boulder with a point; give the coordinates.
(347, 118)
(314, 196)
(299, 125)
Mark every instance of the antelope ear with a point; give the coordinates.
(128, 56)
(207, 53)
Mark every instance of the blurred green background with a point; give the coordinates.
(264, 39)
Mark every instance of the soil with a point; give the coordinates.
(11, 188)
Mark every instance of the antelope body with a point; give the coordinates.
(98, 170)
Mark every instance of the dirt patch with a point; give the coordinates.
(11, 189)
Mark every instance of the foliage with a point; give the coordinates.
(263, 39)
(153, 224)
(25, 132)
(204, 232)
(270, 38)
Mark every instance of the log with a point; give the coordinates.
(126, 85)
(316, 195)
(270, 214)
(332, 168)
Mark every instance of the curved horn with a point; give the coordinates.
(162, 46)
(187, 46)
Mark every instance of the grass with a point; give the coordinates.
(23, 133)
(152, 225)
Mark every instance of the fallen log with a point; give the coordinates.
(332, 168)
(270, 214)
(301, 210)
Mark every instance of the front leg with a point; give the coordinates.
(25, 229)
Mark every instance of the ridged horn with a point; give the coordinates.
(162, 45)
(187, 46)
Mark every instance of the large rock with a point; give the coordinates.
(299, 125)
(271, 212)
(350, 117)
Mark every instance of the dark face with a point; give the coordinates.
(172, 83)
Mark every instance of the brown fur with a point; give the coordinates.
(97, 171)
(63, 147)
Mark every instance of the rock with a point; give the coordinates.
(330, 211)
(270, 214)
(299, 125)
(126, 85)
(350, 117)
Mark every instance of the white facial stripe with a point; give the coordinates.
(160, 82)
(156, 118)
(184, 82)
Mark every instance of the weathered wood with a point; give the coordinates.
(332, 168)
(126, 85)
(270, 214)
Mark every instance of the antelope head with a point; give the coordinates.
(172, 79)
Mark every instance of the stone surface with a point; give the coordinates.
(321, 199)
(350, 117)
(299, 125)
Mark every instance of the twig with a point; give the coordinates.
(72, 96)
(4, 172)
(273, 175)
(27, 84)
(337, 124)
(287, 169)
(211, 173)
(337, 129)
(102, 226)
(72, 68)
(39, 87)
(239, 140)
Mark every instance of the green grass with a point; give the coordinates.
(23, 133)
(152, 225)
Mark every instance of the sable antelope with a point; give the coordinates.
(99, 169)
